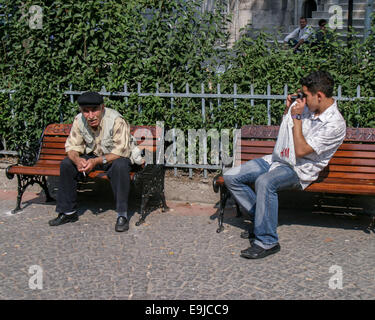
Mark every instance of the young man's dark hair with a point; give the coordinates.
(319, 81)
(322, 22)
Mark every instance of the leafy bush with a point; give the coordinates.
(261, 61)
(91, 44)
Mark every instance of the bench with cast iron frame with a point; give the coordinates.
(351, 170)
(43, 159)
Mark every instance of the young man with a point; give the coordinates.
(99, 139)
(318, 131)
(299, 36)
(322, 37)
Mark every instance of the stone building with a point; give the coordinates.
(283, 15)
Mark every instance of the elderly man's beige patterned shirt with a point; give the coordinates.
(121, 138)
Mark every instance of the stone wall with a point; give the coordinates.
(269, 15)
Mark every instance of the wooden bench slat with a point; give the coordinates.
(35, 170)
(330, 180)
(249, 156)
(352, 175)
(245, 150)
(357, 147)
(346, 181)
(256, 143)
(354, 161)
(338, 154)
(271, 143)
(51, 157)
(48, 162)
(343, 161)
(367, 160)
(356, 169)
(53, 145)
(47, 151)
(54, 139)
(354, 154)
(342, 187)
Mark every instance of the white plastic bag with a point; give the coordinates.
(136, 153)
(284, 147)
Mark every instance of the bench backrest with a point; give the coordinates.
(52, 149)
(354, 159)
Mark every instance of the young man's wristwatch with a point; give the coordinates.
(297, 116)
(104, 160)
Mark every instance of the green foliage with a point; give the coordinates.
(91, 44)
(260, 62)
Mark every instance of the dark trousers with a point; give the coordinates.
(117, 172)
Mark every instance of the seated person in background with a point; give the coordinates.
(321, 36)
(299, 36)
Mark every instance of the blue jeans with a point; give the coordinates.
(267, 184)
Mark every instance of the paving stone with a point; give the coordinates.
(174, 255)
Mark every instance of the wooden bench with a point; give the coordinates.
(350, 171)
(35, 164)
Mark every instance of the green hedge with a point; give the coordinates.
(91, 44)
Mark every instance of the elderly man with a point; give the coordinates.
(99, 139)
(318, 130)
(299, 36)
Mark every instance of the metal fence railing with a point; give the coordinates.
(204, 97)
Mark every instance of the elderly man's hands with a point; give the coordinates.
(86, 166)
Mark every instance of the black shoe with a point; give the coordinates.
(257, 252)
(63, 218)
(122, 224)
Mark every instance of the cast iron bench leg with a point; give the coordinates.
(163, 202)
(24, 181)
(238, 211)
(21, 189)
(223, 200)
(145, 198)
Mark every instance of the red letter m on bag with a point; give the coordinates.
(284, 153)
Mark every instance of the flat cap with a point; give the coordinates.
(90, 99)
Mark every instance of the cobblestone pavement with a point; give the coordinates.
(179, 255)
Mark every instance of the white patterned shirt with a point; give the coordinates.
(324, 133)
(299, 33)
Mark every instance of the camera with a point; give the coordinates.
(299, 95)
